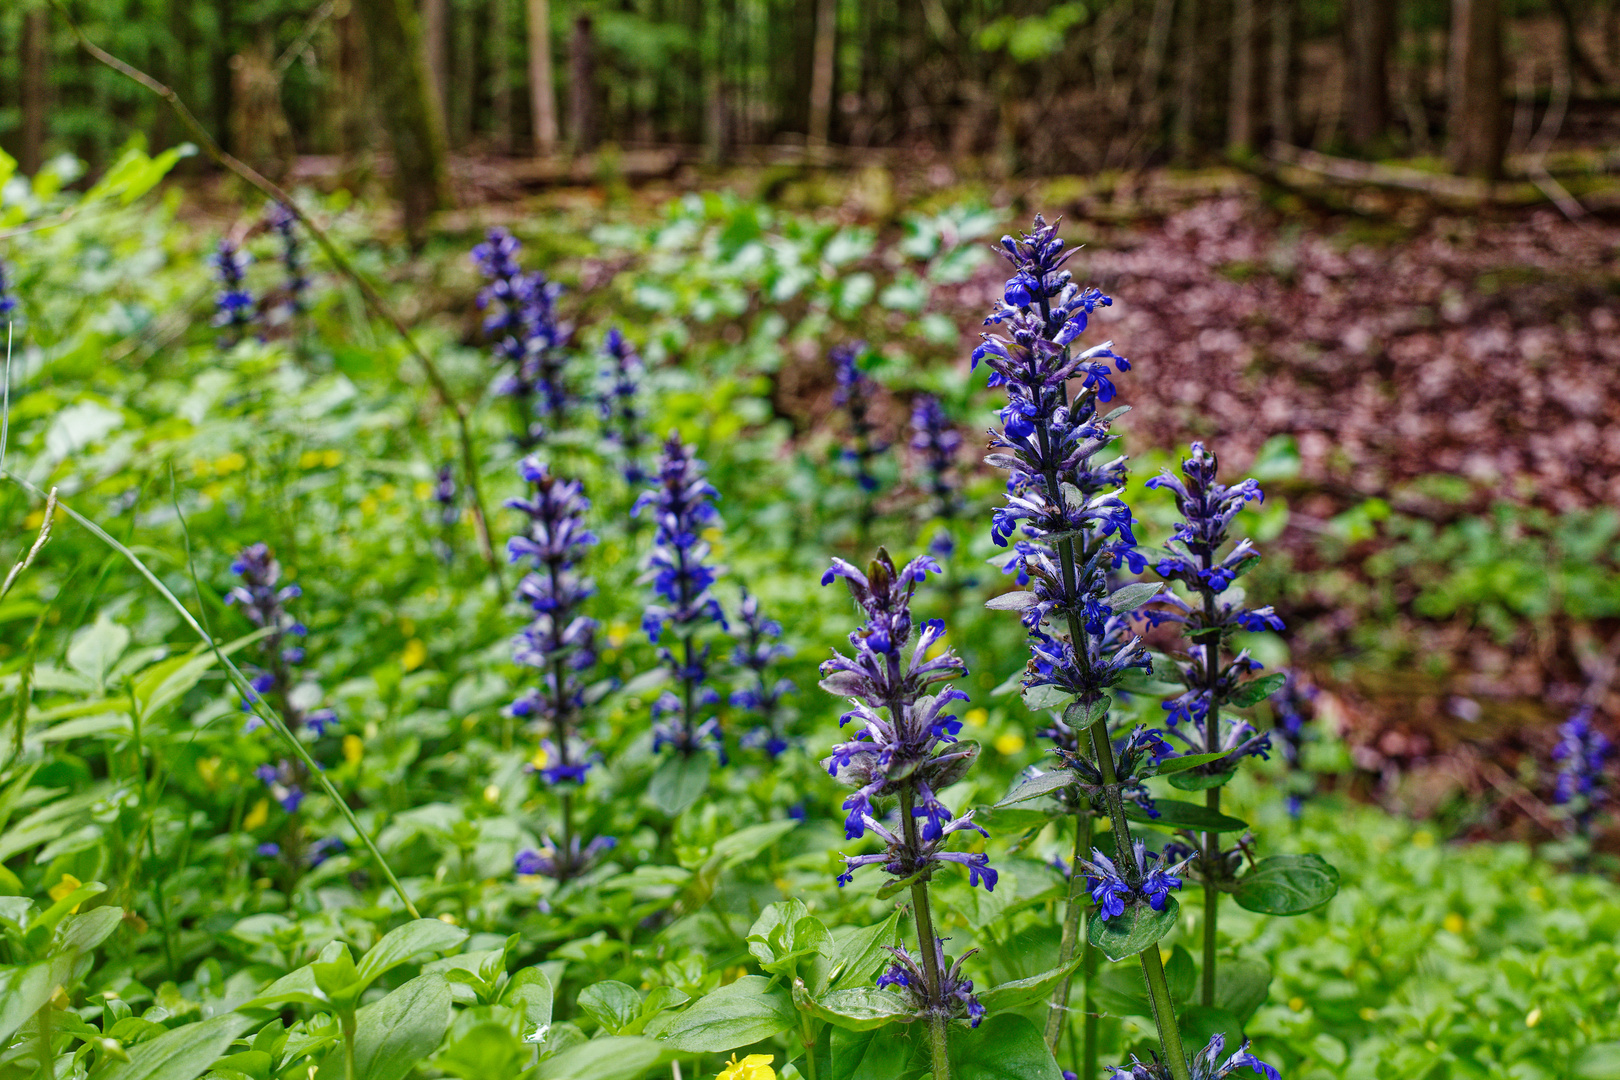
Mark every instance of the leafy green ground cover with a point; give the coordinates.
(149, 932)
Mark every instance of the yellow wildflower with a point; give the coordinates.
(752, 1067)
(257, 816)
(353, 749)
(415, 653)
(1009, 744)
(64, 888)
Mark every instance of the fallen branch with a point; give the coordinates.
(373, 299)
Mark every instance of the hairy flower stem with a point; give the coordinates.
(1212, 797)
(923, 913)
(1073, 909)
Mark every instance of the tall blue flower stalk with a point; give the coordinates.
(937, 443)
(1294, 706)
(855, 392)
(905, 747)
(445, 497)
(1062, 496)
(531, 342)
(1201, 557)
(233, 306)
(262, 599)
(1582, 786)
(619, 384)
(285, 225)
(682, 507)
(8, 302)
(759, 649)
(561, 645)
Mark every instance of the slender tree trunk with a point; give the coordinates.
(1575, 54)
(500, 26)
(1371, 32)
(350, 97)
(542, 94)
(582, 85)
(1240, 106)
(1183, 131)
(401, 89)
(436, 48)
(220, 70)
(1281, 84)
(1154, 53)
(821, 71)
(1475, 85)
(461, 101)
(35, 88)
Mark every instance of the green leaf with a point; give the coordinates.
(95, 650)
(874, 1054)
(612, 1058)
(1241, 986)
(1287, 885)
(679, 782)
(770, 938)
(1256, 690)
(166, 682)
(1011, 601)
(1598, 1061)
(1185, 815)
(1193, 781)
(1133, 596)
(857, 955)
(750, 842)
(24, 990)
(1121, 991)
(295, 988)
(1171, 766)
(397, 1033)
(1005, 1047)
(1036, 786)
(746, 1011)
(51, 916)
(530, 993)
(1082, 714)
(859, 1008)
(1199, 1022)
(1133, 930)
(1021, 992)
(1046, 697)
(82, 933)
(402, 943)
(611, 1004)
(181, 1053)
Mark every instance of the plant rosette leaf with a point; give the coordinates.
(613, 1005)
(1133, 930)
(1287, 885)
(858, 1008)
(1185, 815)
(1020, 992)
(394, 1035)
(747, 1011)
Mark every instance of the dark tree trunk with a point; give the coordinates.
(350, 97)
(220, 70)
(1281, 81)
(582, 85)
(436, 49)
(822, 71)
(1370, 33)
(500, 75)
(542, 93)
(401, 91)
(1474, 79)
(1186, 122)
(35, 88)
(1240, 105)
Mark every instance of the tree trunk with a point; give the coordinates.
(1240, 108)
(1182, 133)
(220, 69)
(350, 97)
(35, 88)
(821, 71)
(435, 46)
(500, 75)
(1371, 32)
(1149, 92)
(1281, 84)
(401, 90)
(542, 94)
(1475, 84)
(582, 85)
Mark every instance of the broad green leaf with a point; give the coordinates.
(51, 916)
(82, 933)
(394, 1035)
(1011, 601)
(1171, 766)
(1287, 885)
(1020, 992)
(96, 649)
(1082, 714)
(741, 1013)
(404, 942)
(1185, 815)
(611, 1004)
(679, 782)
(857, 955)
(750, 842)
(1133, 930)
(612, 1058)
(1199, 1022)
(24, 990)
(1241, 986)
(483, 1050)
(1133, 596)
(860, 1007)
(1597, 1061)
(1256, 690)
(530, 992)
(1121, 991)
(770, 938)
(167, 681)
(1036, 786)
(874, 1054)
(181, 1053)
(295, 988)
(1005, 1047)
(1045, 698)
(1194, 781)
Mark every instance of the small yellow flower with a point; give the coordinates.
(354, 748)
(1368, 1013)
(492, 793)
(368, 505)
(387, 492)
(541, 759)
(59, 997)
(415, 653)
(309, 459)
(1009, 744)
(1297, 1004)
(1454, 923)
(423, 490)
(1538, 894)
(1533, 1017)
(752, 1067)
(1423, 838)
(257, 816)
(208, 771)
(232, 462)
(976, 717)
(712, 534)
(618, 633)
(331, 458)
(64, 889)
(449, 918)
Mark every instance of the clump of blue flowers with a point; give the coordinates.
(621, 420)
(1147, 882)
(233, 305)
(905, 748)
(937, 442)
(1294, 706)
(8, 302)
(759, 648)
(531, 341)
(560, 644)
(854, 392)
(1582, 754)
(682, 507)
(1206, 1065)
(284, 223)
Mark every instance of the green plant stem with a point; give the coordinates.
(348, 1048)
(234, 673)
(1075, 907)
(922, 912)
(808, 1040)
(149, 827)
(1212, 797)
(1089, 1042)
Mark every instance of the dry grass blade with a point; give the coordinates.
(39, 542)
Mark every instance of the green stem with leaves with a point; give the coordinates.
(1212, 798)
(1073, 912)
(922, 912)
